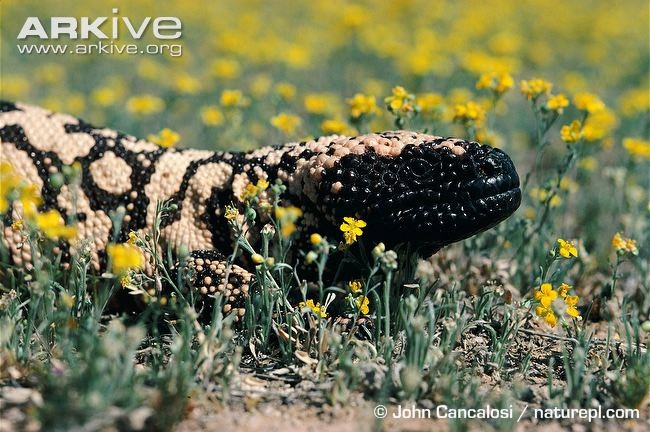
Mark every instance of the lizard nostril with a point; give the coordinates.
(490, 166)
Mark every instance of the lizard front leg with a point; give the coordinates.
(211, 274)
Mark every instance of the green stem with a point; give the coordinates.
(387, 283)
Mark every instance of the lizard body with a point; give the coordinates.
(417, 188)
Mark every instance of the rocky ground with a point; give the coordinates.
(286, 399)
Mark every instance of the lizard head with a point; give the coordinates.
(421, 189)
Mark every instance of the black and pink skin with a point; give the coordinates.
(412, 188)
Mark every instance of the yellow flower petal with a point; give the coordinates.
(573, 312)
(571, 300)
(551, 319)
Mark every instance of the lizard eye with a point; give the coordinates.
(419, 167)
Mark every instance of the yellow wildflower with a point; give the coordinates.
(133, 237)
(469, 113)
(231, 213)
(287, 229)
(315, 239)
(361, 105)
(104, 96)
(285, 90)
(320, 103)
(17, 225)
(588, 102)
(363, 304)
(51, 223)
(588, 163)
(295, 56)
(286, 217)
(624, 245)
(499, 83)
(225, 68)
(145, 104)
(233, 99)
(352, 228)
(166, 138)
(211, 115)
(557, 103)
(355, 286)
(250, 192)
(599, 124)
(618, 243)
(400, 100)
(315, 307)
(186, 83)
(485, 81)
(548, 315)
(567, 248)
(8, 182)
(431, 104)
(354, 15)
(571, 133)
(571, 302)
(563, 290)
(542, 195)
(14, 87)
(124, 257)
(637, 147)
(545, 294)
(288, 212)
(630, 246)
(30, 199)
(262, 184)
(635, 101)
(333, 126)
(504, 82)
(534, 88)
(287, 123)
(568, 184)
(550, 318)
(75, 103)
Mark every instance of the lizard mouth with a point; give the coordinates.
(435, 224)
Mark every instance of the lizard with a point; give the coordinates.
(425, 190)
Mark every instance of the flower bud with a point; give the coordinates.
(378, 250)
(257, 258)
(311, 257)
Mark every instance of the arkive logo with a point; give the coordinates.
(163, 28)
(115, 35)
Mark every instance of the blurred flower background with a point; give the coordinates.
(245, 62)
(256, 72)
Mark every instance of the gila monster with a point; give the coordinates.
(409, 187)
